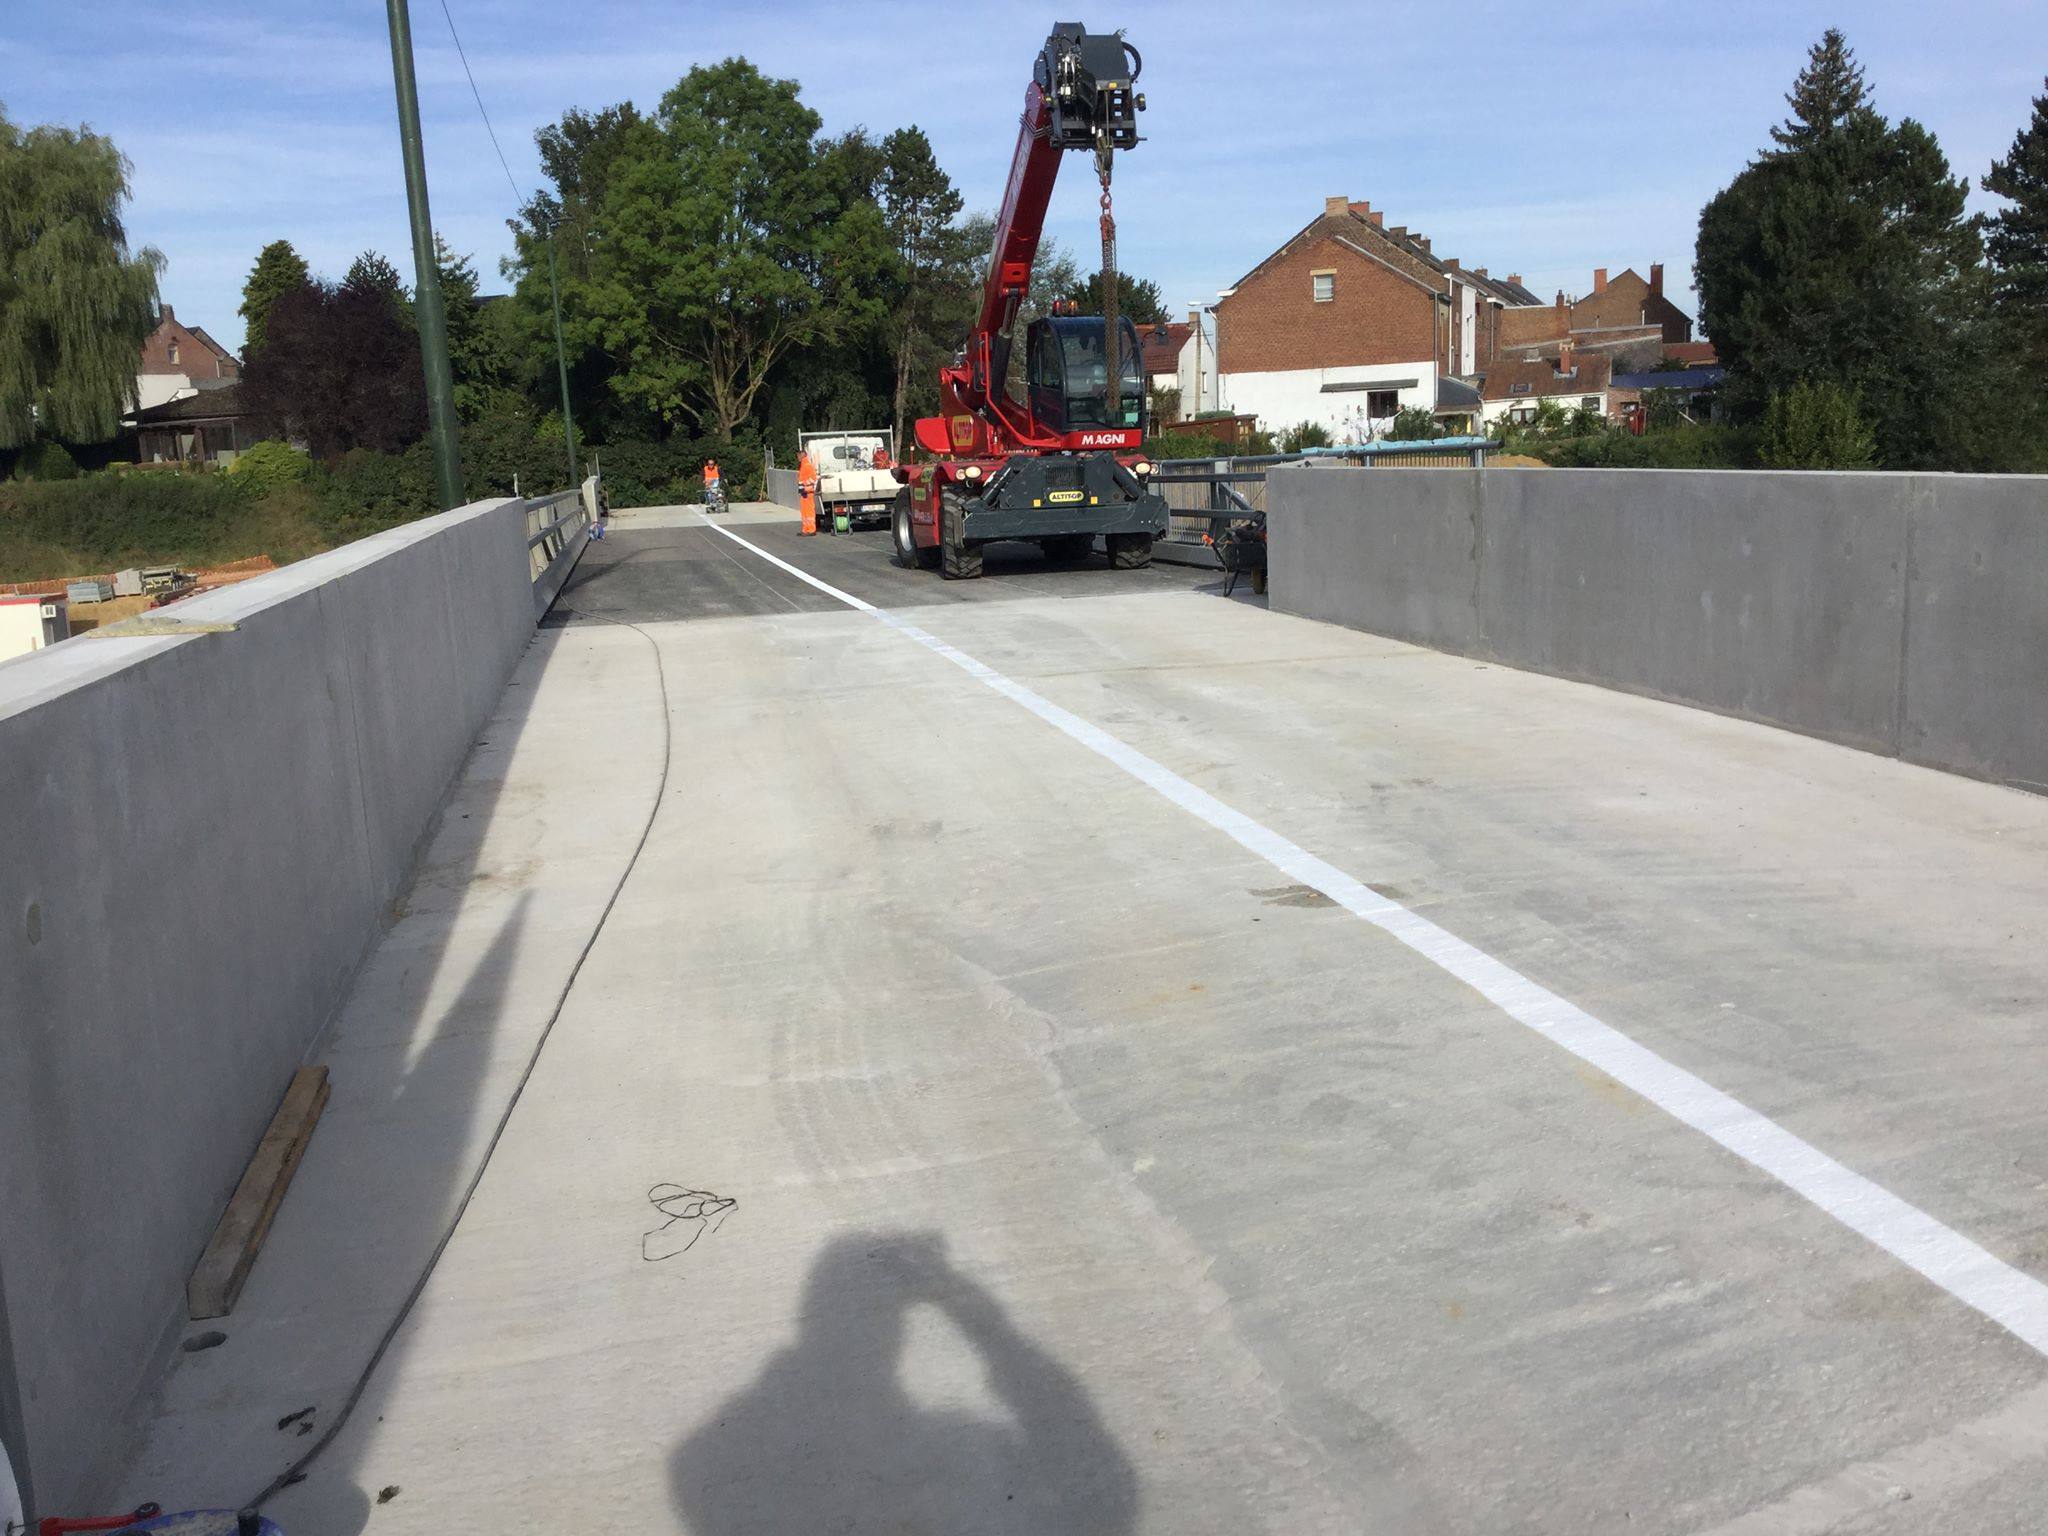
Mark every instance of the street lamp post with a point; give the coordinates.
(428, 305)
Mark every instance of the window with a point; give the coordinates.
(1382, 403)
(1325, 286)
(174, 354)
(1590, 403)
(1520, 389)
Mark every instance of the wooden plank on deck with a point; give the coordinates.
(224, 1268)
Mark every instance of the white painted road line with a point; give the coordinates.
(2016, 1301)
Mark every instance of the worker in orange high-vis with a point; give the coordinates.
(714, 487)
(807, 493)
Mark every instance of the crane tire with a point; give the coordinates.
(1130, 551)
(959, 558)
(899, 531)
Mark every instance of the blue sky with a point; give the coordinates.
(1544, 140)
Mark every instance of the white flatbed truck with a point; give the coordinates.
(848, 481)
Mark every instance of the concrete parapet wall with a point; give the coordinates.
(201, 837)
(1901, 613)
(781, 488)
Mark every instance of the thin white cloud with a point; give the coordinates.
(1541, 141)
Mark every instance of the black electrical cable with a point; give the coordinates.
(296, 1472)
(479, 95)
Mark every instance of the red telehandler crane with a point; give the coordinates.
(1061, 466)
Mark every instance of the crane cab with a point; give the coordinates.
(1065, 372)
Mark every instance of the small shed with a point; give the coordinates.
(208, 426)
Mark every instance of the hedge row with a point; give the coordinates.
(1701, 447)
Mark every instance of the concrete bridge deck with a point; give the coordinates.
(959, 1123)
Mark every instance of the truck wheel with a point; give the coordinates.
(899, 531)
(1130, 551)
(959, 560)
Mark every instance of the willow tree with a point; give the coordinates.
(75, 303)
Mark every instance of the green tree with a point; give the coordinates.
(935, 261)
(2016, 240)
(372, 272)
(1815, 426)
(1827, 95)
(339, 370)
(1138, 299)
(1845, 256)
(279, 269)
(723, 250)
(1411, 424)
(478, 352)
(1305, 434)
(1054, 275)
(578, 156)
(846, 376)
(75, 303)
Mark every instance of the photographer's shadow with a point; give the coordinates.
(828, 1440)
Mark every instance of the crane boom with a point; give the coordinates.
(1080, 97)
(1064, 466)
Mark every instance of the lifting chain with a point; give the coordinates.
(1112, 328)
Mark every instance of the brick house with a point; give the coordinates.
(1351, 321)
(178, 358)
(1161, 346)
(1515, 387)
(1628, 314)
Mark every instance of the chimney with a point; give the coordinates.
(1194, 319)
(1599, 279)
(1656, 279)
(1400, 231)
(1336, 207)
(1423, 241)
(1479, 272)
(1363, 210)
(1379, 220)
(1452, 262)
(1515, 278)
(166, 313)
(1564, 357)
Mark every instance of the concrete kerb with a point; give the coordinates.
(205, 833)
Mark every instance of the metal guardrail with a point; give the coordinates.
(557, 529)
(1204, 496)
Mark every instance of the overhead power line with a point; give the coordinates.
(510, 180)
(521, 202)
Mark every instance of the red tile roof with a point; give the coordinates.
(1533, 379)
(1160, 346)
(1694, 354)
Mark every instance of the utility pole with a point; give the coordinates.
(562, 366)
(428, 307)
